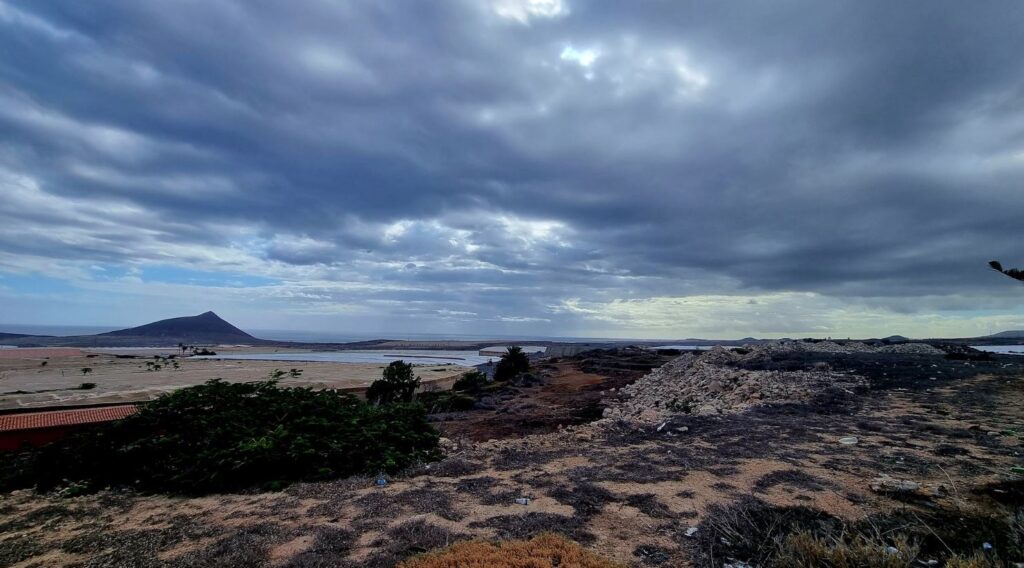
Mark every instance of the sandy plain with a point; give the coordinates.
(39, 378)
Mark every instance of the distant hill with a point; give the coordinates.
(207, 327)
(13, 335)
(896, 339)
(1012, 334)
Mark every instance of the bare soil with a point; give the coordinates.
(625, 490)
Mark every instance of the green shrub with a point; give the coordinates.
(446, 401)
(229, 436)
(472, 381)
(512, 363)
(397, 385)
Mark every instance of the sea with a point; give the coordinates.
(314, 336)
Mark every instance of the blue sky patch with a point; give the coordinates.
(177, 275)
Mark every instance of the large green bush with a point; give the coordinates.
(228, 436)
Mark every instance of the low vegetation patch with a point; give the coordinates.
(229, 436)
(753, 533)
(446, 401)
(544, 551)
(804, 550)
(471, 381)
(529, 525)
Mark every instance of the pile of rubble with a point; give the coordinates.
(847, 347)
(910, 349)
(714, 383)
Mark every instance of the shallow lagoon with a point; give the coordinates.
(1004, 349)
(418, 356)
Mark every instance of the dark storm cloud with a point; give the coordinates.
(613, 150)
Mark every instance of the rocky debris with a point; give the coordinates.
(848, 347)
(712, 383)
(889, 484)
(910, 349)
(447, 445)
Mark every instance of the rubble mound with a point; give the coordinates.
(910, 349)
(848, 347)
(714, 382)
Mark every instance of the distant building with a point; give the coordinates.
(499, 350)
(38, 428)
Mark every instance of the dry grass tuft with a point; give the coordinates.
(976, 561)
(804, 550)
(544, 551)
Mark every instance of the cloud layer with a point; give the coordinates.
(552, 167)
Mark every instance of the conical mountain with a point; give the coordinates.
(204, 327)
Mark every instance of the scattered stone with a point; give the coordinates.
(447, 445)
(889, 484)
(651, 554)
(849, 441)
(691, 531)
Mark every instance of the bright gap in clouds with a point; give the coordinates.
(515, 166)
(584, 57)
(525, 10)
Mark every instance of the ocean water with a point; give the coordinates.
(309, 336)
(689, 347)
(57, 330)
(347, 337)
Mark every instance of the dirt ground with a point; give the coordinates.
(570, 392)
(628, 491)
(53, 377)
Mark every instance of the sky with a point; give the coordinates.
(648, 169)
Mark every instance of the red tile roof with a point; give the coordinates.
(36, 420)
